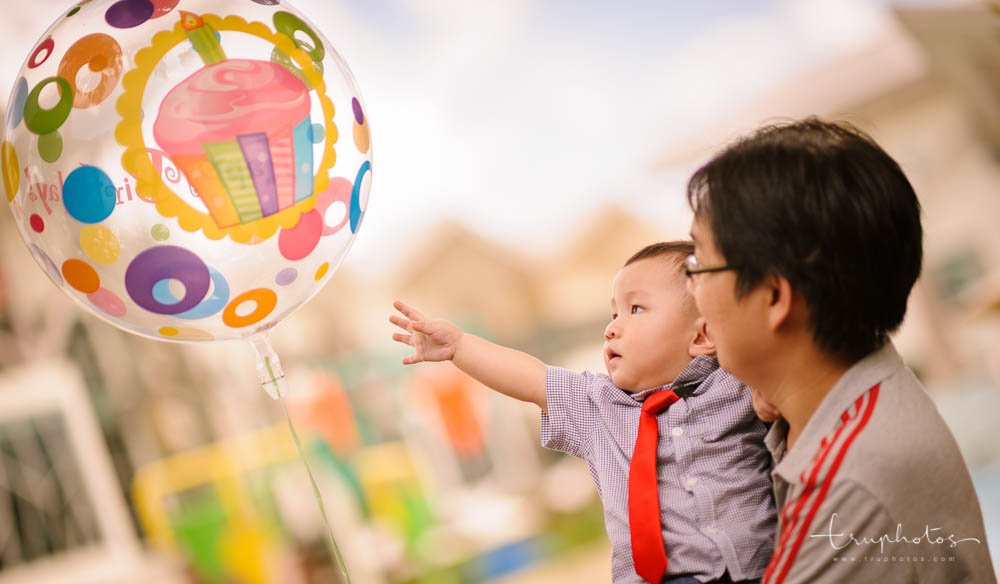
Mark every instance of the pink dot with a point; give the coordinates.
(338, 191)
(37, 223)
(108, 302)
(299, 241)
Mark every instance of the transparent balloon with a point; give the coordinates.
(187, 170)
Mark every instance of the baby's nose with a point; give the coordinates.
(610, 331)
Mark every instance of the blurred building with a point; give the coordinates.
(929, 96)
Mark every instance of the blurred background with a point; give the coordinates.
(523, 150)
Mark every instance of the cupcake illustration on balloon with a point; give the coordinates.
(240, 132)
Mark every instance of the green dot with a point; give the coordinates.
(160, 232)
(50, 146)
(73, 11)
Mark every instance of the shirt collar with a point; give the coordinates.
(690, 378)
(870, 370)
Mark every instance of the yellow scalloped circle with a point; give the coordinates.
(149, 183)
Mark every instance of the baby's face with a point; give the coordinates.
(652, 325)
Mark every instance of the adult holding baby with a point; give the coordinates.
(807, 243)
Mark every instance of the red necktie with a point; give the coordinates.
(648, 555)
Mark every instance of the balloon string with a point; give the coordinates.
(312, 479)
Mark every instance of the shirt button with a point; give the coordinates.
(677, 431)
(709, 531)
(691, 482)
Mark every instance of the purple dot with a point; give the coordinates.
(50, 266)
(129, 13)
(286, 276)
(359, 116)
(167, 262)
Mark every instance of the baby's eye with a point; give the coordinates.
(636, 309)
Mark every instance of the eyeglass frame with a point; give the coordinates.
(692, 267)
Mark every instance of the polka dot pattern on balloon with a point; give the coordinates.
(129, 13)
(46, 262)
(11, 170)
(359, 115)
(43, 121)
(286, 276)
(299, 241)
(89, 194)
(108, 302)
(96, 53)
(356, 209)
(80, 275)
(322, 270)
(211, 305)
(17, 102)
(100, 244)
(362, 138)
(160, 232)
(41, 53)
(50, 146)
(37, 223)
(335, 198)
(265, 300)
(185, 333)
(167, 262)
(317, 133)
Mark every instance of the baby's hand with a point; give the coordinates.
(765, 411)
(434, 340)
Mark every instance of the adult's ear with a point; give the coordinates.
(781, 302)
(701, 343)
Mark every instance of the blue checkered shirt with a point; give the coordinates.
(713, 469)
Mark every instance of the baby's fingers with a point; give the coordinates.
(401, 322)
(408, 311)
(405, 339)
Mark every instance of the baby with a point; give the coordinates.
(672, 441)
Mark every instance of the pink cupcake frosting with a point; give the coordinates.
(233, 97)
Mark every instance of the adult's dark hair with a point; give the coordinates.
(823, 205)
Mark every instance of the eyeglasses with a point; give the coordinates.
(692, 267)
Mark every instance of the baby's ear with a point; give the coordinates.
(701, 343)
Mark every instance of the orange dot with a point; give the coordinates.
(265, 299)
(322, 271)
(81, 276)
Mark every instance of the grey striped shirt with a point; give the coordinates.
(716, 502)
(876, 489)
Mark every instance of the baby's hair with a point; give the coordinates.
(677, 250)
(674, 251)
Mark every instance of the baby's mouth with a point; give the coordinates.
(611, 355)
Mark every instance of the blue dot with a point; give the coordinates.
(89, 194)
(211, 305)
(20, 96)
(316, 133)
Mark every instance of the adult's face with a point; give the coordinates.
(739, 327)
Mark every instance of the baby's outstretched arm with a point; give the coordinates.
(503, 369)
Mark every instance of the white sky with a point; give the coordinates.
(519, 117)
